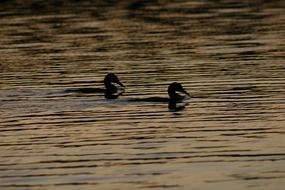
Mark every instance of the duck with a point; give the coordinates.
(173, 98)
(111, 91)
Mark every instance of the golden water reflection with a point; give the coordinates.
(229, 55)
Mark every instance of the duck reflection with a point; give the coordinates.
(176, 106)
(113, 88)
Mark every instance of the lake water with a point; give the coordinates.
(229, 55)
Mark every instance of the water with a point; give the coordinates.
(228, 54)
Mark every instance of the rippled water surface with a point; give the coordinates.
(229, 55)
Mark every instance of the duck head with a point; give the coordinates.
(176, 87)
(111, 78)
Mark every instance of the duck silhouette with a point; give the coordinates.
(172, 100)
(111, 91)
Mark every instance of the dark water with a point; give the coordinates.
(228, 54)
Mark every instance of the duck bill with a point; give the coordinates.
(184, 91)
(119, 83)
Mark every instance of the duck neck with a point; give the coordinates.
(110, 87)
(172, 95)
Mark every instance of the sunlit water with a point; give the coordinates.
(229, 55)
